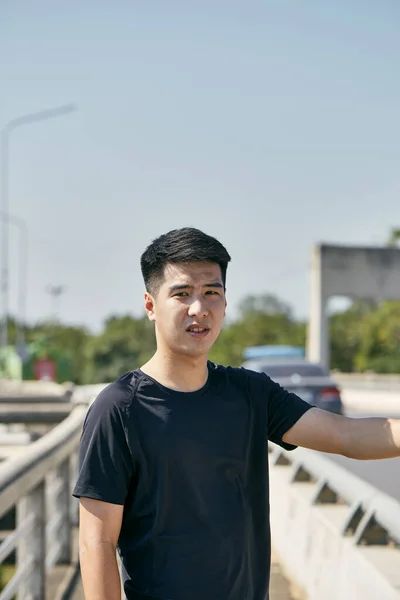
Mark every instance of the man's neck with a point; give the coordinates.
(180, 373)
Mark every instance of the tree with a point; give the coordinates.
(72, 343)
(346, 329)
(124, 344)
(264, 320)
(364, 337)
(380, 340)
(267, 304)
(394, 237)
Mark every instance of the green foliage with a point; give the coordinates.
(125, 344)
(7, 572)
(380, 340)
(394, 237)
(264, 320)
(266, 304)
(70, 342)
(346, 330)
(367, 338)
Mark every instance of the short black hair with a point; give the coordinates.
(180, 246)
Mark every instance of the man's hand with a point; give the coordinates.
(99, 528)
(365, 439)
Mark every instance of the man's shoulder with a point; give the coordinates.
(117, 395)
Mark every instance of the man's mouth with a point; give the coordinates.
(197, 330)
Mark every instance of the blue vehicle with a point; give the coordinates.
(259, 352)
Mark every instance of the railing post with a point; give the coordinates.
(74, 469)
(59, 512)
(33, 545)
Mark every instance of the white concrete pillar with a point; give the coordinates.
(317, 333)
(33, 545)
(58, 511)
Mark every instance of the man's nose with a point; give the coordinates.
(198, 308)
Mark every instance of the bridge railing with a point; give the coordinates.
(37, 483)
(373, 516)
(338, 536)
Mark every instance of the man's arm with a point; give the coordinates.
(364, 439)
(99, 528)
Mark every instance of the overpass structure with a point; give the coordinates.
(335, 535)
(371, 273)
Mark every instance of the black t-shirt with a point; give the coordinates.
(191, 469)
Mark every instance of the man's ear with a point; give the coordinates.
(149, 307)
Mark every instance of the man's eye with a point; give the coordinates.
(181, 294)
(212, 293)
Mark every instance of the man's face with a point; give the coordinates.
(188, 308)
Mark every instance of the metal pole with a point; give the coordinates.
(4, 237)
(4, 193)
(22, 276)
(22, 286)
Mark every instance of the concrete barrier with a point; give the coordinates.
(374, 402)
(373, 393)
(373, 381)
(338, 537)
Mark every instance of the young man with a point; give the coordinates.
(173, 460)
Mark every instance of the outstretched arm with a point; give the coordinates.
(364, 439)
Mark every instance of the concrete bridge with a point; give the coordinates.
(335, 535)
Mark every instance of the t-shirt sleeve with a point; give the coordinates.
(106, 464)
(284, 408)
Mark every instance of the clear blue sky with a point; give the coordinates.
(273, 125)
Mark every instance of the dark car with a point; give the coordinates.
(311, 381)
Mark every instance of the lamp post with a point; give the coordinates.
(4, 199)
(22, 276)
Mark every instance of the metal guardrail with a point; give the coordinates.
(373, 517)
(38, 483)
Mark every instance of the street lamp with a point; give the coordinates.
(5, 142)
(22, 276)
